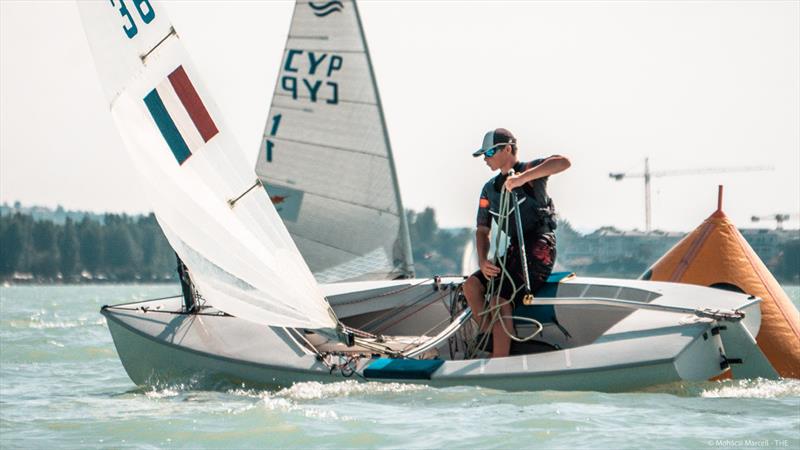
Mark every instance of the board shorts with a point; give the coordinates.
(541, 255)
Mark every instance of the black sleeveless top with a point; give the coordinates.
(536, 206)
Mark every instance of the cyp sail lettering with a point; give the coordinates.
(307, 74)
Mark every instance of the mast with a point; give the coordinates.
(187, 288)
(647, 210)
(409, 259)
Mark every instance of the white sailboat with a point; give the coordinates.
(264, 321)
(325, 155)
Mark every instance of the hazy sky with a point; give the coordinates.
(689, 84)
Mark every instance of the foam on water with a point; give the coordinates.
(163, 393)
(317, 391)
(303, 398)
(758, 388)
(270, 401)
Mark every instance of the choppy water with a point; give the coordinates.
(62, 386)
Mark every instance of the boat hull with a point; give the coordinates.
(159, 346)
(150, 361)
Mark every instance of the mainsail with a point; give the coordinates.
(240, 256)
(325, 157)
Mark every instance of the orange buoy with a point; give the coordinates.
(716, 254)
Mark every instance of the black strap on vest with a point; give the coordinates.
(545, 214)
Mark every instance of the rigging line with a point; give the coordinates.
(379, 322)
(361, 333)
(497, 309)
(382, 325)
(232, 202)
(494, 288)
(437, 340)
(308, 343)
(174, 313)
(418, 342)
(377, 347)
(386, 326)
(145, 301)
(340, 100)
(170, 33)
(390, 312)
(332, 147)
(396, 291)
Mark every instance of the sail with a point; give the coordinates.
(325, 157)
(469, 258)
(239, 254)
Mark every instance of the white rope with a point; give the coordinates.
(494, 287)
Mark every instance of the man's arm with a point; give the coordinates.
(482, 236)
(550, 166)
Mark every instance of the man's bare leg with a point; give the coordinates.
(501, 342)
(474, 293)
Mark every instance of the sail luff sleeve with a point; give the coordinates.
(405, 235)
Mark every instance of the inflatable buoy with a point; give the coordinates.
(716, 254)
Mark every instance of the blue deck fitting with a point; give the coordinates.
(402, 369)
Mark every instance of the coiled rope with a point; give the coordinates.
(495, 285)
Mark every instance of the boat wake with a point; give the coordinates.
(754, 388)
(317, 391)
(169, 392)
(758, 388)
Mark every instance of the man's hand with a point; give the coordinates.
(488, 269)
(514, 181)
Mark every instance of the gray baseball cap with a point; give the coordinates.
(496, 138)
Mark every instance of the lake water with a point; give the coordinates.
(62, 386)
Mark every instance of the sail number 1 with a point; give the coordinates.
(276, 121)
(143, 7)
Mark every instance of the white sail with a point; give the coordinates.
(325, 157)
(469, 258)
(241, 257)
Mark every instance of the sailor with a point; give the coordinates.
(529, 182)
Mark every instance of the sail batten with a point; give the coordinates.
(345, 202)
(332, 147)
(325, 156)
(341, 100)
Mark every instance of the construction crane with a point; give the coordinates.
(778, 218)
(647, 175)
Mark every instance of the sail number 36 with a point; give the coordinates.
(143, 7)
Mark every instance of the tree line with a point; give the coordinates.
(123, 248)
(120, 248)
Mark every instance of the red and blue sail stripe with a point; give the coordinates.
(180, 115)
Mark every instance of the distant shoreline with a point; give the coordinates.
(42, 246)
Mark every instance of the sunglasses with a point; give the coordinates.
(489, 153)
